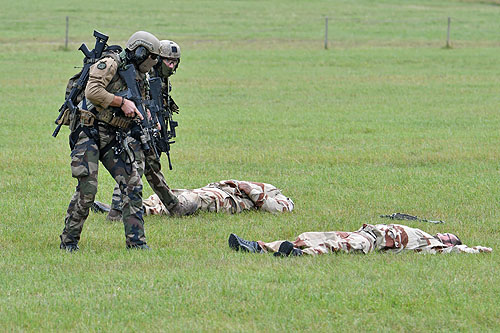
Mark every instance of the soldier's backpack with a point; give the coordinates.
(109, 51)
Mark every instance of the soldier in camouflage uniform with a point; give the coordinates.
(149, 165)
(394, 238)
(95, 137)
(228, 196)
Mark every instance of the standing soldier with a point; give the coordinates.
(149, 165)
(97, 138)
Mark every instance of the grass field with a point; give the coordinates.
(386, 120)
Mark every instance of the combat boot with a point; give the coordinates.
(182, 208)
(114, 215)
(138, 247)
(286, 249)
(237, 243)
(69, 247)
(100, 207)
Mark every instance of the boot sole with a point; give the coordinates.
(233, 242)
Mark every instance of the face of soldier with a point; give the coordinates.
(168, 65)
(147, 64)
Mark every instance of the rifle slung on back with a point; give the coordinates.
(68, 109)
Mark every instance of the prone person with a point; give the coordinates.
(394, 238)
(227, 196)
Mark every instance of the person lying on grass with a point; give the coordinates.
(228, 196)
(394, 238)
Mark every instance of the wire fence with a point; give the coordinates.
(61, 29)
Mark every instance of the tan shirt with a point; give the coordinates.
(100, 75)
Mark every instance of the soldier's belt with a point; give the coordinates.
(110, 118)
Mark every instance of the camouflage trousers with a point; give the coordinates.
(228, 196)
(149, 166)
(85, 158)
(394, 238)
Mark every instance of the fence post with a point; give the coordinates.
(326, 33)
(448, 44)
(67, 29)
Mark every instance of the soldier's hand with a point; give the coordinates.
(130, 110)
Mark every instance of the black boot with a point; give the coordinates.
(286, 249)
(237, 243)
(114, 215)
(138, 247)
(100, 207)
(69, 247)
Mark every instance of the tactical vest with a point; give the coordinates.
(87, 118)
(113, 116)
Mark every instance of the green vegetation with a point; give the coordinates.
(385, 120)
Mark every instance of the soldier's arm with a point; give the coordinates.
(100, 75)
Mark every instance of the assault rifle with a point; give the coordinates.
(90, 58)
(403, 216)
(162, 114)
(143, 131)
(171, 108)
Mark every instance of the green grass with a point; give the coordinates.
(386, 120)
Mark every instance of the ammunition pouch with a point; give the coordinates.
(120, 122)
(74, 120)
(70, 119)
(109, 117)
(64, 120)
(87, 118)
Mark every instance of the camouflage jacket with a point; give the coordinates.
(380, 237)
(229, 196)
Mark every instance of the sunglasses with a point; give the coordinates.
(170, 60)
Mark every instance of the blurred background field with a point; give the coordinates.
(385, 120)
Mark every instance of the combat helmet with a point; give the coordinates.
(169, 50)
(142, 49)
(146, 39)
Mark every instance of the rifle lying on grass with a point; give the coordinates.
(68, 110)
(402, 216)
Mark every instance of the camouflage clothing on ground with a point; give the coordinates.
(93, 143)
(229, 196)
(380, 237)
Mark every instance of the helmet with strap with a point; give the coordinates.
(142, 49)
(169, 50)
